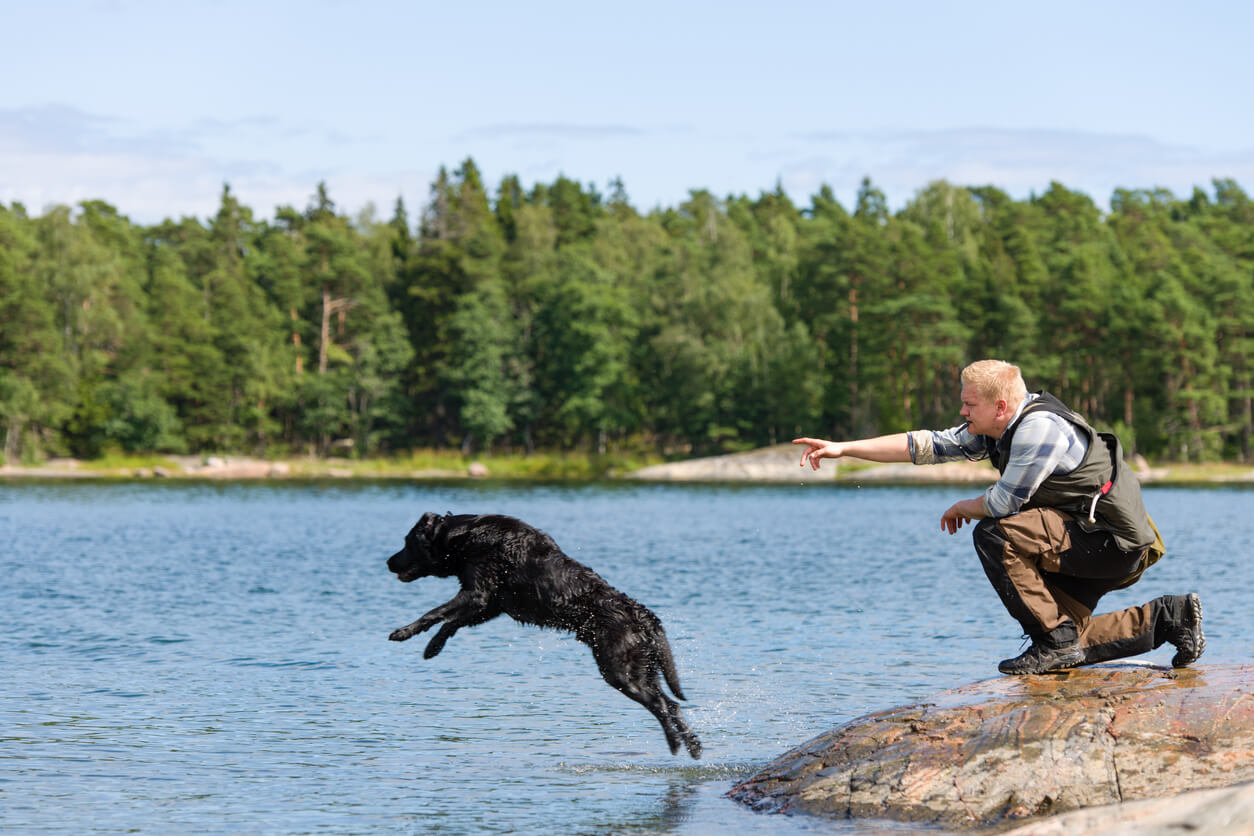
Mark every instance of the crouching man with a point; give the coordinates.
(1062, 526)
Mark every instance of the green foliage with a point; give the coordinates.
(554, 318)
(139, 419)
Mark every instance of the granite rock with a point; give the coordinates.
(1020, 747)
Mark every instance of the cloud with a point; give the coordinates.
(56, 154)
(149, 189)
(57, 128)
(548, 130)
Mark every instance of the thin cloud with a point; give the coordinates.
(68, 130)
(548, 130)
(53, 128)
(1018, 161)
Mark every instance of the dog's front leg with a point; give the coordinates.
(446, 631)
(463, 609)
(425, 623)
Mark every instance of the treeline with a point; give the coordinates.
(558, 317)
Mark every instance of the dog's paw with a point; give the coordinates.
(401, 634)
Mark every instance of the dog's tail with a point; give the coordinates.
(663, 648)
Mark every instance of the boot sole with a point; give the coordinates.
(1062, 664)
(1193, 621)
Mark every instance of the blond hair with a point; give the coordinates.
(995, 380)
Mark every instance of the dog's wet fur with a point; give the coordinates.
(507, 566)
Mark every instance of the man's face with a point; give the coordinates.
(983, 416)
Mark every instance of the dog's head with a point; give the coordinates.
(422, 555)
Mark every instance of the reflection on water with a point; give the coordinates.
(214, 658)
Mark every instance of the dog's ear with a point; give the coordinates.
(427, 524)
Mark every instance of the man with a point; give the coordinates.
(1061, 527)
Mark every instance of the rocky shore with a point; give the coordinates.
(777, 464)
(228, 468)
(998, 753)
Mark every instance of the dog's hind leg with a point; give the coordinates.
(641, 684)
(667, 712)
(657, 703)
(687, 734)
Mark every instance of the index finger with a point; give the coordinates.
(805, 455)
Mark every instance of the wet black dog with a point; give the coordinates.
(506, 566)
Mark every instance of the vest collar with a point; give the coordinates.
(1027, 399)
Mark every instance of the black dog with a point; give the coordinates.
(506, 566)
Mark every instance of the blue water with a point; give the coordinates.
(214, 658)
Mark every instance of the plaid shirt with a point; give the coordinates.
(1044, 444)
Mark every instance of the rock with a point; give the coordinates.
(947, 473)
(477, 470)
(216, 468)
(1223, 812)
(1017, 747)
(780, 463)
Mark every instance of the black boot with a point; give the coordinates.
(1186, 634)
(1043, 656)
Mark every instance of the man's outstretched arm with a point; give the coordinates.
(884, 448)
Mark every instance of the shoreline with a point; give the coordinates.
(778, 464)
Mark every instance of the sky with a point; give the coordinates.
(154, 106)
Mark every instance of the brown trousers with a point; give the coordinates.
(1050, 574)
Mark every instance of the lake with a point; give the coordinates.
(213, 658)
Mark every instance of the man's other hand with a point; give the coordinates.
(962, 512)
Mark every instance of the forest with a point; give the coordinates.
(558, 317)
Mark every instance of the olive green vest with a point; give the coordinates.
(1101, 494)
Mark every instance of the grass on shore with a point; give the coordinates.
(416, 463)
(559, 465)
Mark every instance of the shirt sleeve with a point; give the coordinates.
(936, 446)
(1036, 452)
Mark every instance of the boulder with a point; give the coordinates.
(217, 467)
(1223, 812)
(1019, 747)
